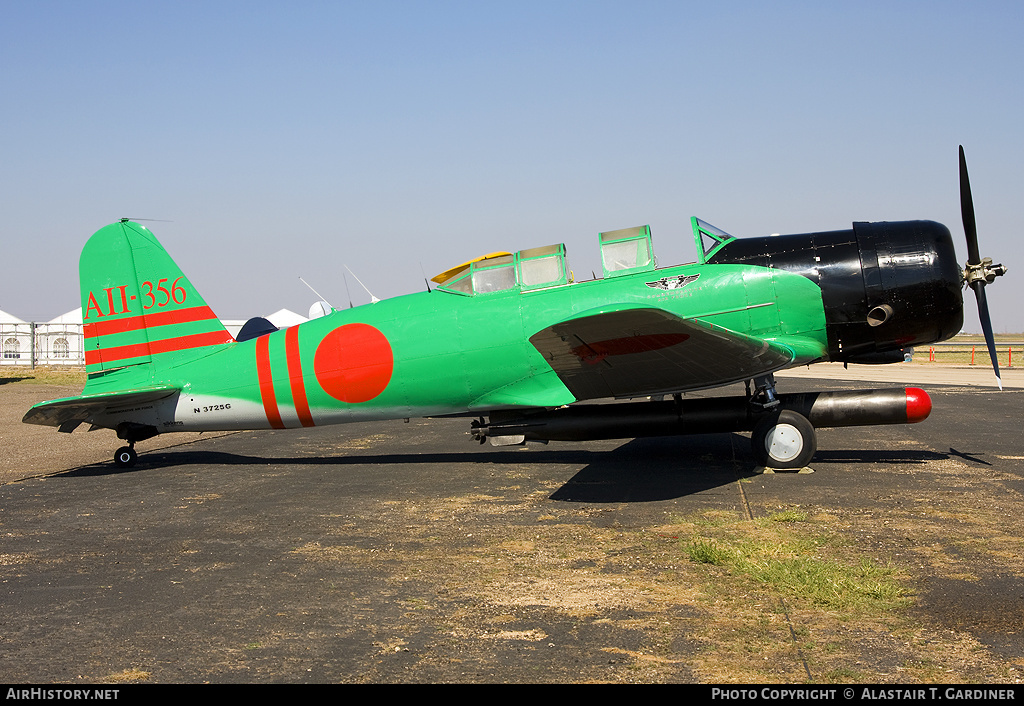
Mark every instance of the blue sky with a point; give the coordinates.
(282, 140)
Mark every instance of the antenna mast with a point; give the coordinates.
(373, 299)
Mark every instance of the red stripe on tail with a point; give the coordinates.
(160, 318)
(168, 345)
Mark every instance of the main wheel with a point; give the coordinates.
(125, 457)
(784, 440)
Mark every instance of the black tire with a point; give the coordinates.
(125, 457)
(784, 440)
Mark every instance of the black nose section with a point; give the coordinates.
(911, 274)
(884, 286)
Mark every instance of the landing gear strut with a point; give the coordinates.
(764, 397)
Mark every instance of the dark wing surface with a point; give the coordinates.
(630, 351)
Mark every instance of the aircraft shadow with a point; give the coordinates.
(887, 456)
(641, 470)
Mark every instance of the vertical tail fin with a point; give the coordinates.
(137, 305)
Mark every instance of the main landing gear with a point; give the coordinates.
(782, 439)
(126, 456)
(132, 433)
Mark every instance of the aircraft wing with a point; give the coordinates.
(66, 414)
(631, 351)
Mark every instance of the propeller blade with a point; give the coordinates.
(978, 272)
(986, 327)
(967, 212)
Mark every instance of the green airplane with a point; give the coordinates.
(513, 341)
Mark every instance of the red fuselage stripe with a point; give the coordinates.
(160, 318)
(291, 345)
(138, 350)
(266, 382)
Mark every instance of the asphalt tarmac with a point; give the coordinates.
(405, 552)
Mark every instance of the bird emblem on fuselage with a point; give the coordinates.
(672, 282)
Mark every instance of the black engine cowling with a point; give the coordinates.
(884, 286)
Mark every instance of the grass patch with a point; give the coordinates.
(127, 675)
(786, 596)
(793, 556)
(843, 675)
(827, 583)
(704, 551)
(788, 516)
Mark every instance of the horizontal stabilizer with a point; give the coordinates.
(67, 413)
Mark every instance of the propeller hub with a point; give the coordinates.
(983, 271)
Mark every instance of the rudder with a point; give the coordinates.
(137, 305)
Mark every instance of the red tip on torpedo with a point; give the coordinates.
(919, 405)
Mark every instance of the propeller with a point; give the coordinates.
(978, 272)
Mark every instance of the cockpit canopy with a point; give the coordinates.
(623, 252)
(708, 238)
(626, 251)
(535, 268)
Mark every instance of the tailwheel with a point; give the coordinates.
(125, 457)
(784, 440)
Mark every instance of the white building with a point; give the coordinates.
(59, 341)
(17, 340)
(56, 342)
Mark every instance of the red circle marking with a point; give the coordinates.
(354, 363)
